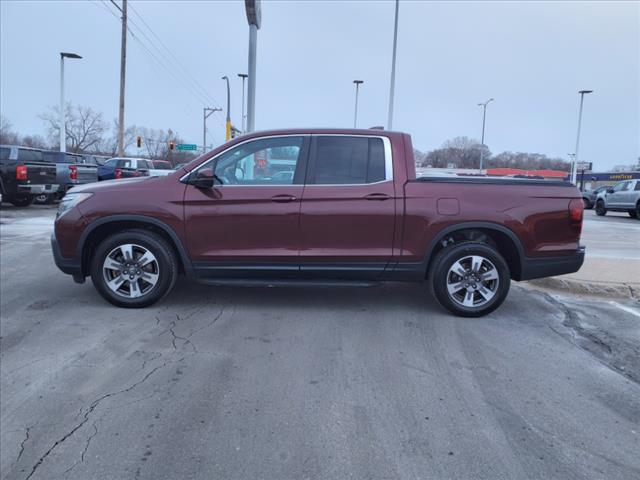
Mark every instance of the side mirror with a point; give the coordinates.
(609, 190)
(204, 178)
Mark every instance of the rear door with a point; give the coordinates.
(348, 208)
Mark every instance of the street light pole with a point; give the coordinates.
(254, 18)
(393, 69)
(484, 117)
(355, 115)
(123, 66)
(228, 123)
(206, 113)
(63, 126)
(243, 76)
(574, 166)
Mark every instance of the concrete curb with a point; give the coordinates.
(621, 290)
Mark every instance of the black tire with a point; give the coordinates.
(440, 273)
(21, 200)
(638, 211)
(633, 213)
(587, 204)
(44, 198)
(165, 257)
(600, 210)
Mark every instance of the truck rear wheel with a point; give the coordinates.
(21, 200)
(470, 279)
(134, 268)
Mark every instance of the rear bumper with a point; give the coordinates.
(552, 266)
(70, 266)
(37, 189)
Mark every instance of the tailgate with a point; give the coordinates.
(87, 173)
(40, 174)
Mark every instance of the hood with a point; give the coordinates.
(113, 185)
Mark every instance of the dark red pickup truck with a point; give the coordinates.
(318, 207)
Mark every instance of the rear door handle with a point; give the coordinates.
(377, 196)
(283, 198)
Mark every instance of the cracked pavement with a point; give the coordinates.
(236, 383)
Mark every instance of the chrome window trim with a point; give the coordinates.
(386, 143)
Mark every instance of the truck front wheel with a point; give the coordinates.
(600, 210)
(470, 279)
(134, 268)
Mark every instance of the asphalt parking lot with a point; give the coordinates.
(295, 383)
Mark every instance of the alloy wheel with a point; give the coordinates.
(472, 281)
(130, 270)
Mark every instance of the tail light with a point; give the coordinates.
(21, 172)
(576, 212)
(118, 173)
(73, 172)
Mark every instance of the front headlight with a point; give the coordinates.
(71, 200)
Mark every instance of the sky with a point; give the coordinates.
(532, 57)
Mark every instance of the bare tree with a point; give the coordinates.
(7, 135)
(84, 127)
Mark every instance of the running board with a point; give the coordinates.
(285, 283)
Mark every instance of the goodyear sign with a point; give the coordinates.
(611, 176)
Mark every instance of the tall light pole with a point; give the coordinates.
(228, 123)
(574, 167)
(355, 115)
(243, 76)
(63, 127)
(393, 69)
(254, 17)
(206, 113)
(484, 117)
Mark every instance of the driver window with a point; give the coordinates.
(619, 187)
(268, 161)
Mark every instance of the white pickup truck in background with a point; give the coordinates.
(622, 197)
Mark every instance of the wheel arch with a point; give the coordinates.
(102, 228)
(498, 236)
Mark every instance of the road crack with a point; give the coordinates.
(85, 419)
(26, 437)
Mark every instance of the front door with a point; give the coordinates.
(616, 199)
(348, 208)
(247, 225)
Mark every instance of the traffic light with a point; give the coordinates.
(234, 132)
(138, 141)
(172, 144)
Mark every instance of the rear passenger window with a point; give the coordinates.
(348, 161)
(637, 186)
(30, 155)
(4, 153)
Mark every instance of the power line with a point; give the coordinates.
(183, 68)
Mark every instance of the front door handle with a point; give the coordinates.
(377, 196)
(283, 198)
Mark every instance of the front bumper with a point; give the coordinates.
(70, 266)
(552, 266)
(37, 189)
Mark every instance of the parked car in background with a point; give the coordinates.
(179, 166)
(24, 175)
(122, 167)
(622, 197)
(160, 168)
(590, 196)
(353, 212)
(71, 169)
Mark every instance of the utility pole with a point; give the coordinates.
(574, 166)
(123, 63)
(355, 115)
(484, 116)
(207, 112)
(254, 18)
(228, 122)
(243, 76)
(393, 69)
